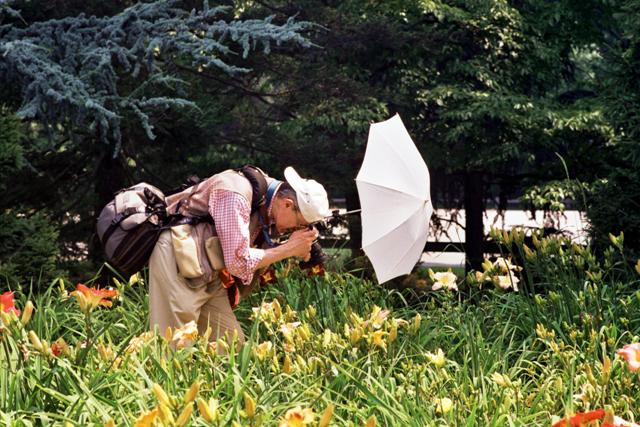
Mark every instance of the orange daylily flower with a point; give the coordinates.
(6, 303)
(147, 419)
(267, 277)
(316, 270)
(631, 353)
(90, 298)
(581, 419)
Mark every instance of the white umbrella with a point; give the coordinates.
(393, 185)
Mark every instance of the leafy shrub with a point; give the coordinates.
(11, 151)
(28, 249)
(614, 207)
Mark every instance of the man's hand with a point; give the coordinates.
(299, 245)
(300, 241)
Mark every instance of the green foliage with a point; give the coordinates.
(11, 149)
(87, 73)
(29, 242)
(517, 358)
(553, 195)
(613, 206)
(28, 251)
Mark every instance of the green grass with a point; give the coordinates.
(549, 343)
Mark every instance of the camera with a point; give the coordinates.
(318, 257)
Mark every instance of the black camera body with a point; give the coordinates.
(318, 257)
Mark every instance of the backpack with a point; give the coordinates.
(130, 225)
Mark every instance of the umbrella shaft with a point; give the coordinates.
(350, 212)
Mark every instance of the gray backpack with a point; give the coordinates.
(129, 227)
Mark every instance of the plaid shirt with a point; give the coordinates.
(230, 212)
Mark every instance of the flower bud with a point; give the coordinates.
(161, 395)
(26, 314)
(371, 421)
(185, 415)
(249, 405)
(326, 416)
(35, 341)
(191, 394)
(393, 333)
(286, 365)
(165, 414)
(209, 411)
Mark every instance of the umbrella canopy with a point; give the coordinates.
(393, 186)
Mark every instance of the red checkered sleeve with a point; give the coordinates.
(230, 212)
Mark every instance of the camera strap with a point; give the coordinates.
(271, 190)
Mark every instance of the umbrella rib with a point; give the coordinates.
(397, 190)
(401, 258)
(402, 157)
(406, 252)
(395, 228)
(419, 203)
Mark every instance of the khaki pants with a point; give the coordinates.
(173, 303)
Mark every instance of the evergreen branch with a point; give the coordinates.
(94, 71)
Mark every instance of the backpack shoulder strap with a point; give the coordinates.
(258, 185)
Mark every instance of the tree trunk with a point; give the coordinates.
(474, 227)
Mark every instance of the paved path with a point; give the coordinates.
(573, 223)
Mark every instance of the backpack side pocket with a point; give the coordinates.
(186, 251)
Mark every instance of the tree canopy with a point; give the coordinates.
(503, 99)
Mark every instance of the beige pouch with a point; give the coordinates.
(214, 253)
(186, 251)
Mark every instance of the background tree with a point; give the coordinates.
(614, 203)
(98, 92)
(490, 92)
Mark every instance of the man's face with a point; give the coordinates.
(288, 218)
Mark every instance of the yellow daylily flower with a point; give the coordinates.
(505, 266)
(437, 358)
(509, 281)
(263, 350)
(185, 335)
(446, 280)
(297, 417)
(288, 328)
(376, 338)
(443, 405)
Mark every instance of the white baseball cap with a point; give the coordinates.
(312, 197)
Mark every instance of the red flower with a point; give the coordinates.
(6, 303)
(267, 277)
(90, 298)
(316, 270)
(56, 349)
(581, 419)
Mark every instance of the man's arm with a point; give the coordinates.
(231, 215)
(230, 212)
